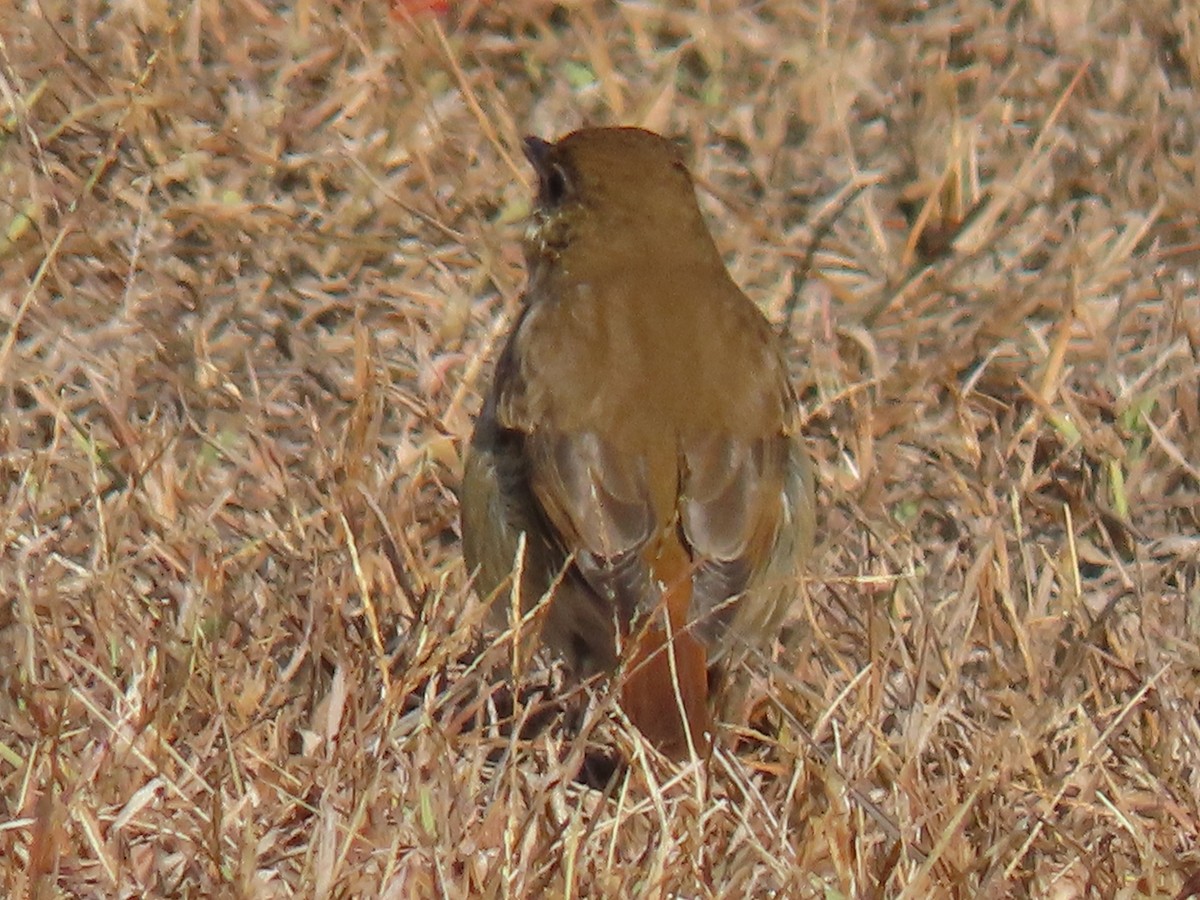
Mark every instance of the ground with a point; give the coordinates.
(255, 258)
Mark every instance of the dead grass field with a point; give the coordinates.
(254, 257)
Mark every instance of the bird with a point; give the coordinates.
(638, 458)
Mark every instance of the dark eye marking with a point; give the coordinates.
(554, 183)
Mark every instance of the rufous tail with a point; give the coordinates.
(665, 691)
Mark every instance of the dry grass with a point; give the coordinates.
(253, 259)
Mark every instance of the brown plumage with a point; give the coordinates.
(642, 432)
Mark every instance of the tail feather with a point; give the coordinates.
(665, 691)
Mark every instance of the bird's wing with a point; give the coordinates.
(731, 510)
(745, 504)
(598, 503)
(595, 503)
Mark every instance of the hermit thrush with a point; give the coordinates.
(642, 433)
